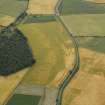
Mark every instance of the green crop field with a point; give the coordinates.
(38, 19)
(84, 17)
(20, 99)
(47, 41)
(12, 7)
(41, 6)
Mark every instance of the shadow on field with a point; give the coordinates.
(81, 7)
(92, 43)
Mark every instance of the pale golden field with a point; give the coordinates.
(88, 86)
(41, 6)
(97, 1)
(53, 51)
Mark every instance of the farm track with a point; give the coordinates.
(72, 71)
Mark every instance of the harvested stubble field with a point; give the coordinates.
(42, 6)
(88, 86)
(49, 43)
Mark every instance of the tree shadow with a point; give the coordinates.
(81, 7)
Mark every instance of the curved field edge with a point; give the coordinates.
(39, 7)
(83, 17)
(48, 41)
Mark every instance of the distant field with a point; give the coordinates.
(84, 17)
(90, 80)
(42, 6)
(48, 41)
(20, 99)
(12, 7)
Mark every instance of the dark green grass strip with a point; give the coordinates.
(20, 99)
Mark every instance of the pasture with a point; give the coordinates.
(6, 20)
(12, 7)
(84, 17)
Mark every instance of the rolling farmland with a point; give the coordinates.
(83, 17)
(10, 10)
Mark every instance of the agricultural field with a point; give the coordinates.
(21, 99)
(88, 86)
(6, 20)
(8, 84)
(51, 47)
(41, 6)
(54, 52)
(84, 17)
(10, 10)
(12, 7)
(38, 19)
